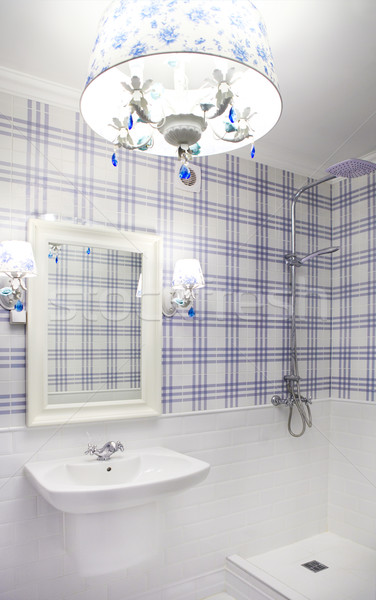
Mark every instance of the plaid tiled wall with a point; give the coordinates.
(354, 289)
(235, 351)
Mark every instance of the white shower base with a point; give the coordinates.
(278, 575)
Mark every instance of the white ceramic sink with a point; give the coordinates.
(85, 485)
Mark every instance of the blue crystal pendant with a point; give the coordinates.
(191, 312)
(18, 306)
(184, 172)
(88, 251)
(130, 122)
(114, 160)
(232, 115)
(253, 151)
(50, 255)
(56, 259)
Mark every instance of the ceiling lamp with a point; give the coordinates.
(181, 77)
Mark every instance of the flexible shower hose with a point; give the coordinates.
(304, 411)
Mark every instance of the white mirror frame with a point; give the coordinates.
(39, 412)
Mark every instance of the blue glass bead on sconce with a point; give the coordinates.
(253, 151)
(184, 172)
(114, 160)
(6, 291)
(18, 306)
(191, 312)
(130, 122)
(88, 251)
(179, 301)
(50, 255)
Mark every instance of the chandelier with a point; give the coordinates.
(181, 78)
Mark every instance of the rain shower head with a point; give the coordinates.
(352, 167)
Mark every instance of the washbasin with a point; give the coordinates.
(83, 485)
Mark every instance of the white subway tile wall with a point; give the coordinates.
(352, 481)
(257, 496)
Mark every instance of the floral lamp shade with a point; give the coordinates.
(17, 259)
(176, 74)
(188, 274)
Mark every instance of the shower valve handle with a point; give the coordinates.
(277, 400)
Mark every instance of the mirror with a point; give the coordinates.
(93, 324)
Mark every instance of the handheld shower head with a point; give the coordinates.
(329, 250)
(352, 167)
(294, 261)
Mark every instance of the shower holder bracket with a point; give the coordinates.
(292, 260)
(292, 378)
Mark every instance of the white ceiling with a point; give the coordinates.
(324, 51)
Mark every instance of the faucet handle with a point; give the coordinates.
(91, 448)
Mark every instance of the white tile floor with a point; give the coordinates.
(351, 574)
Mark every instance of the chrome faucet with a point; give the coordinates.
(106, 451)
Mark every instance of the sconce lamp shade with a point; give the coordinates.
(165, 74)
(17, 259)
(188, 274)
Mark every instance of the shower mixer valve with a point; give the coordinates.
(277, 400)
(290, 400)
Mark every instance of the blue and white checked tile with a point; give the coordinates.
(235, 351)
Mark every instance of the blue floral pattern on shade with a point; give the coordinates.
(15, 259)
(262, 28)
(262, 53)
(150, 11)
(138, 49)
(240, 52)
(5, 257)
(118, 41)
(130, 28)
(198, 15)
(168, 34)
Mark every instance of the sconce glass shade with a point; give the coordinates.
(17, 259)
(173, 74)
(188, 274)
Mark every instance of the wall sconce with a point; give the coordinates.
(187, 277)
(16, 262)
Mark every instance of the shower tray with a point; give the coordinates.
(350, 572)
